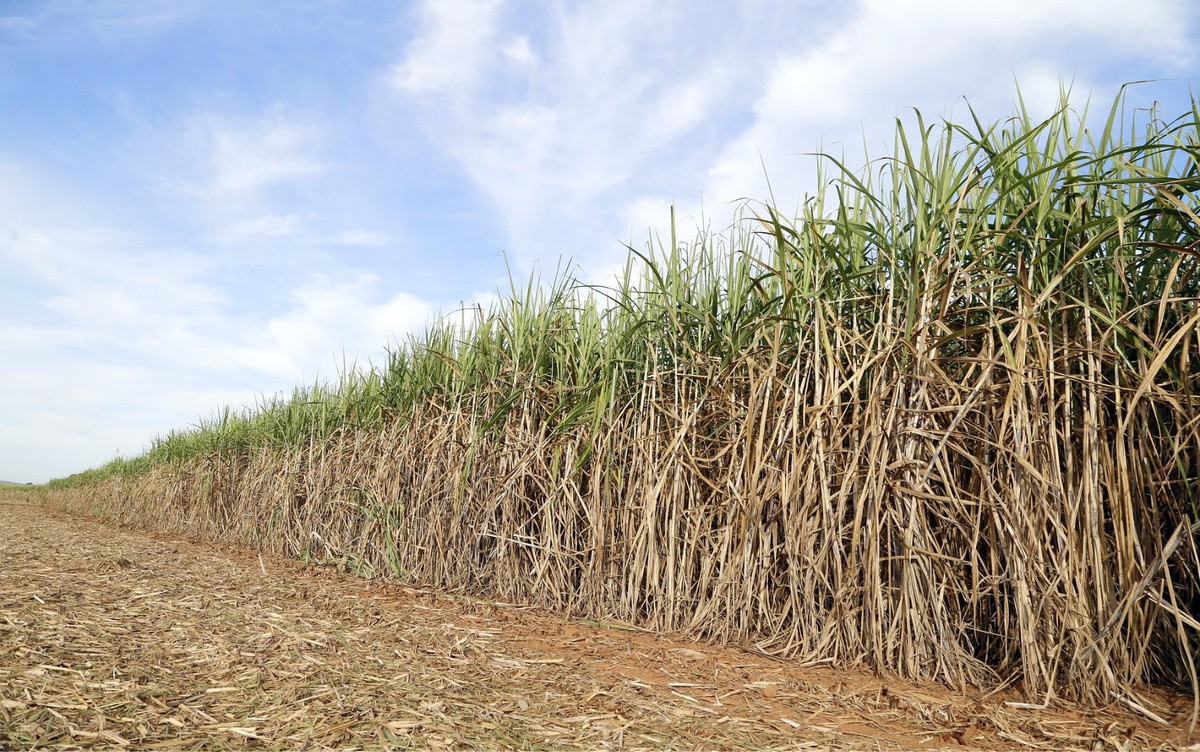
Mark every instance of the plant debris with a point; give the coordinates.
(113, 637)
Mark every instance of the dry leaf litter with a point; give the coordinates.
(113, 637)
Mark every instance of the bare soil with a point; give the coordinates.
(117, 637)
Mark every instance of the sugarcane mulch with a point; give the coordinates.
(113, 637)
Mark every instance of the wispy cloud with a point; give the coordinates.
(245, 155)
(239, 175)
(629, 107)
(348, 312)
(554, 143)
(520, 52)
(169, 310)
(455, 43)
(104, 21)
(362, 238)
(105, 324)
(17, 24)
(890, 56)
(275, 225)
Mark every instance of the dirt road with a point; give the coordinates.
(115, 637)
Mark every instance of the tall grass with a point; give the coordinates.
(946, 422)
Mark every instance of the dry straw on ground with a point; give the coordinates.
(114, 638)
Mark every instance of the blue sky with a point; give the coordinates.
(205, 201)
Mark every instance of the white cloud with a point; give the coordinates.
(110, 21)
(242, 175)
(113, 293)
(453, 46)
(362, 238)
(17, 24)
(520, 52)
(232, 162)
(273, 225)
(246, 157)
(111, 339)
(636, 100)
(331, 318)
(165, 313)
(547, 150)
(894, 55)
(680, 108)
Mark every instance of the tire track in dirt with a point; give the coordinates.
(117, 637)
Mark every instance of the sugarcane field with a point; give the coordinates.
(915, 466)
